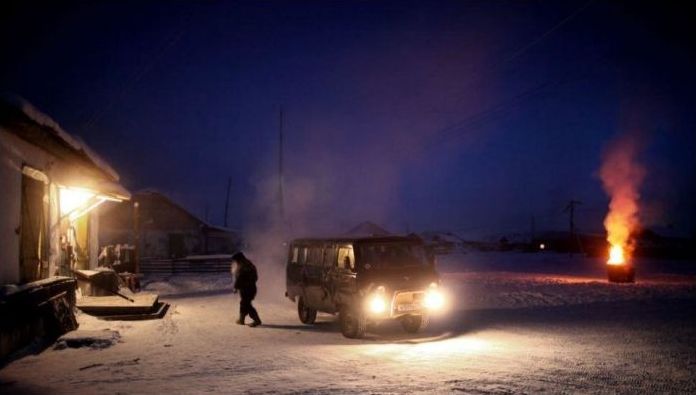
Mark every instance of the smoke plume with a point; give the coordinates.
(622, 176)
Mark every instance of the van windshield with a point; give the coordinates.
(391, 255)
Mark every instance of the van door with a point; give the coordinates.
(326, 280)
(293, 276)
(344, 276)
(302, 272)
(313, 278)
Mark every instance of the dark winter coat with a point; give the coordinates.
(246, 278)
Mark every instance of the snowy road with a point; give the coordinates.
(510, 333)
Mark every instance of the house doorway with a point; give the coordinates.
(33, 240)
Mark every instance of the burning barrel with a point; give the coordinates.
(619, 270)
(621, 176)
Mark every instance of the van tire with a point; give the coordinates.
(306, 314)
(353, 324)
(414, 323)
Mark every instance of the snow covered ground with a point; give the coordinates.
(519, 323)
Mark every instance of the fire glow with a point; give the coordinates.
(616, 256)
(621, 176)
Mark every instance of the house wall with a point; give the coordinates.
(222, 242)
(159, 220)
(14, 153)
(155, 243)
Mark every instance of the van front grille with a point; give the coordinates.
(408, 297)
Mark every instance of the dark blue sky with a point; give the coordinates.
(472, 116)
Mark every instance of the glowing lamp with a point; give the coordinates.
(73, 199)
(75, 202)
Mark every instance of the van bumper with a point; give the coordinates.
(400, 303)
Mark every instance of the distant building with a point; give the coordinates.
(441, 242)
(166, 230)
(367, 228)
(51, 183)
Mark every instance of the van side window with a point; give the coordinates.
(303, 256)
(314, 256)
(346, 259)
(295, 255)
(329, 256)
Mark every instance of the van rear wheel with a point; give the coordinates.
(353, 324)
(306, 314)
(414, 323)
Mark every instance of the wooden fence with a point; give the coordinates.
(173, 266)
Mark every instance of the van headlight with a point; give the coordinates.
(377, 304)
(434, 299)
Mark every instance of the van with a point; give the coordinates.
(364, 280)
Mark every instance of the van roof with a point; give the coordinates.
(348, 239)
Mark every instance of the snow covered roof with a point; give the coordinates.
(164, 196)
(368, 228)
(441, 236)
(49, 125)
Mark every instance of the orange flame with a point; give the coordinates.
(621, 176)
(616, 256)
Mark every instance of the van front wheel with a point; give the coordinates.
(353, 324)
(306, 314)
(414, 323)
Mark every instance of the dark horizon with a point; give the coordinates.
(469, 116)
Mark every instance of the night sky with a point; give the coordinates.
(468, 116)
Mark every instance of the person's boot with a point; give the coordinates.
(255, 323)
(240, 321)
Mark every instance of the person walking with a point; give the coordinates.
(245, 283)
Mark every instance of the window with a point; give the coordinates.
(303, 256)
(295, 255)
(329, 256)
(392, 254)
(346, 259)
(315, 257)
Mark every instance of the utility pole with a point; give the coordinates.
(570, 209)
(136, 236)
(281, 203)
(227, 199)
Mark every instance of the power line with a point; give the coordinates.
(547, 33)
(522, 50)
(138, 75)
(479, 74)
(477, 119)
(482, 116)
